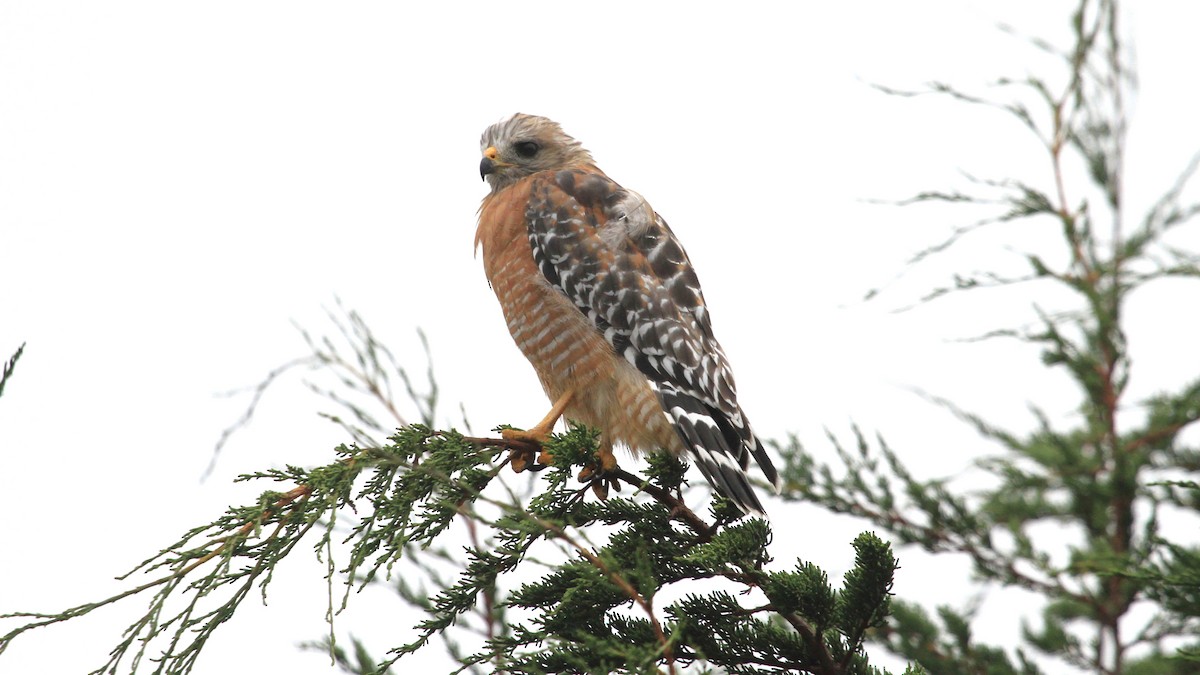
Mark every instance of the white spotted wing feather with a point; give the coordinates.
(619, 263)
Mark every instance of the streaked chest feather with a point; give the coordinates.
(559, 340)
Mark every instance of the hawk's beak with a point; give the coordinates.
(490, 162)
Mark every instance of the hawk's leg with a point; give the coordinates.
(523, 459)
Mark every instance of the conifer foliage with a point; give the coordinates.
(1114, 482)
(598, 610)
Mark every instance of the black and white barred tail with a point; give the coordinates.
(719, 448)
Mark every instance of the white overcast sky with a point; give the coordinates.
(181, 181)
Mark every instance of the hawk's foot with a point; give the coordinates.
(598, 473)
(523, 458)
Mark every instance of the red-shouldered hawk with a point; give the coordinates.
(603, 301)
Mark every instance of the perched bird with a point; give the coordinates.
(601, 298)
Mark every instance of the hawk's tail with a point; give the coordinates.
(720, 449)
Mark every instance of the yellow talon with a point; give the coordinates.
(607, 463)
(523, 458)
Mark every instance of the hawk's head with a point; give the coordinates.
(522, 145)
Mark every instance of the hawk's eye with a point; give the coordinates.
(526, 149)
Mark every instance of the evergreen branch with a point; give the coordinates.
(816, 644)
(10, 366)
(1166, 213)
(703, 530)
(676, 506)
(365, 373)
(489, 593)
(257, 392)
(1094, 475)
(411, 490)
(622, 583)
(184, 563)
(947, 523)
